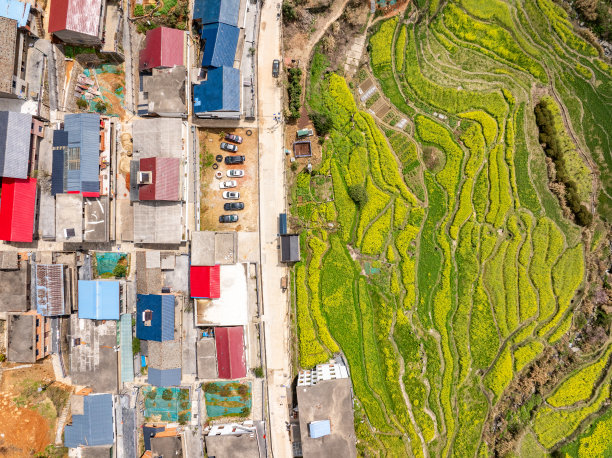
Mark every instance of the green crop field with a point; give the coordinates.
(446, 265)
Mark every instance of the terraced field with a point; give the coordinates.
(444, 266)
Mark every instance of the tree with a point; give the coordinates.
(322, 123)
(289, 13)
(588, 8)
(120, 271)
(358, 193)
(135, 345)
(82, 104)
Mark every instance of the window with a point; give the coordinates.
(37, 322)
(37, 352)
(36, 337)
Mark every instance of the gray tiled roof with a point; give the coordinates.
(15, 134)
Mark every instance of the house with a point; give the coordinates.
(219, 95)
(155, 317)
(15, 136)
(209, 248)
(164, 48)
(158, 178)
(149, 431)
(166, 446)
(17, 209)
(164, 363)
(205, 281)
(48, 286)
(69, 218)
(93, 355)
(231, 308)
(158, 222)
(233, 439)
(14, 25)
(77, 22)
(14, 290)
(28, 337)
(220, 44)
(162, 93)
(99, 299)
(326, 419)
(92, 421)
(290, 248)
(213, 11)
(229, 342)
(330, 371)
(76, 156)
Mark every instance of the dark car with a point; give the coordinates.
(233, 138)
(275, 68)
(228, 218)
(229, 147)
(233, 206)
(234, 160)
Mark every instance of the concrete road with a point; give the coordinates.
(271, 203)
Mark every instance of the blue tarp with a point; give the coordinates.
(95, 426)
(319, 428)
(99, 299)
(220, 43)
(162, 319)
(19, 11)
(211, 11)
(220, 92)
(164, 377)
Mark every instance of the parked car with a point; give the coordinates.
(234, 160)
(229, 147)
(233, 138)
(233, 206)
(234, 195)
(227, 184)
(228, 218)
(275, 68)
(235, 173)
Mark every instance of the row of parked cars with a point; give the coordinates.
(233, 173)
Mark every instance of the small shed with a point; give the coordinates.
(282, 223)
(302, 148)
(205, 281)
(290, 248)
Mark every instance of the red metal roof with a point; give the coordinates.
(81, 16)
(165, 185)
(17, 207)
(230, 352)
(204, 281)
(163, 48)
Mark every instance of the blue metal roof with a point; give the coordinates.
(148, 432)
(19, 11)
(220, 44)
(125, 342)
(220, 92)
(211, 11)
(15, 135)
(95, 426)
(164, 377)
(162, 320)
(319, 428)
(99, 299)
(84, 132)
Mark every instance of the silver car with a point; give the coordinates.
(231, 195)
(228, 184)
(235, 173)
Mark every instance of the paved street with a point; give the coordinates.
(271, 204)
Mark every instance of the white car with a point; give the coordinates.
(228, 184)
(235, 173)
(231, 195)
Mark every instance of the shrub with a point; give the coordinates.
(183, 394)
(81, 103)
(289, 12)
(138, 10)
(152, 394)
(295, 92)
(120, 271)
(135, 345)
(258, 372)
(167, 395)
